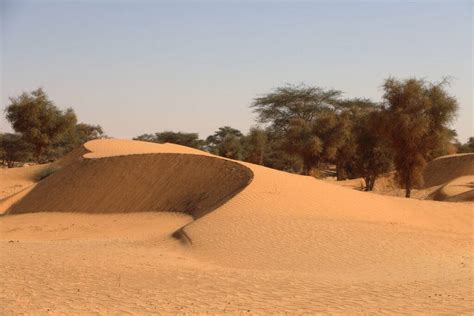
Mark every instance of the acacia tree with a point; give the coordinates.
(305, 118)
(416, 119)
(40, 122)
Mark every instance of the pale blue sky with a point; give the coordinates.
(140, 66)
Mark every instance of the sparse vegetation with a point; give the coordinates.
(47, 171)
(302, 129)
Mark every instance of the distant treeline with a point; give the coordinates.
(303, 129)
(300, 129)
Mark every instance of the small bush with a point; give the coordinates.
(46, 172)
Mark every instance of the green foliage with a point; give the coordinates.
(87, 132)
(255, 145)
(276, 156)
(307, 120)
(74, 137)
(286, 103)
(13, 149)
(372, 156)
(39, 121)
(226, 142)
(180, 138)
(467, 147)
(416, 121)
(46, 172)
(365, 152)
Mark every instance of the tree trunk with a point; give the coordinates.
(340, 173)
(407, 189)
(307, 166)
(367, 183)
(10, 163)
(372, 183)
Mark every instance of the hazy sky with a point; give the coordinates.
(140, 66)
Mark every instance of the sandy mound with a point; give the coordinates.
(14, 180)
(458, 190)
(450, 178)
(444, 169)
(16, 183)
(283, 243)
(289, 222)
(192, 184)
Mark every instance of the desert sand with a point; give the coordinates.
(134, 227)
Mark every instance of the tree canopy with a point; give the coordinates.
(226, 142)
(290, 102)
(306, 118)
(13, 148)
(416, 118)
(40, 122)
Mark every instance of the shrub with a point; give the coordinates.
(46, 172)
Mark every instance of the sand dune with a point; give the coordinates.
(15, 180)
(280, 243)
(138, 183)
(450, 178)
(460, 189)
(16, 183)
(447, 168)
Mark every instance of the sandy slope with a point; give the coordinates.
(451, 178)
(460, 189)
(285, 243)
(447, 168)
(14, 180)
(192, 184)
(16, 183)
